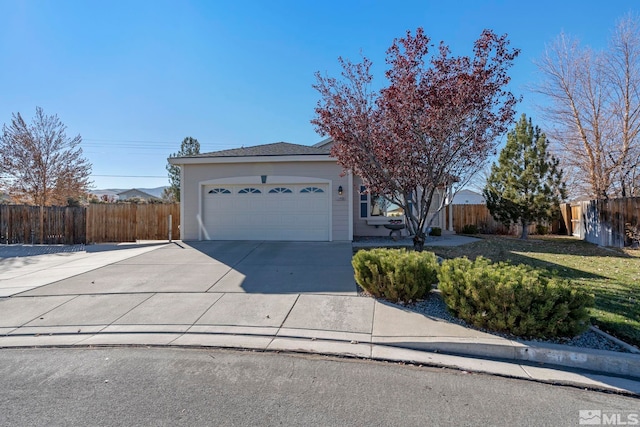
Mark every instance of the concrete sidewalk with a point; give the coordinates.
(337, 324)
(25, 267)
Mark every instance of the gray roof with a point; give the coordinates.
(324, 142)
(134, 192)
(275, 149)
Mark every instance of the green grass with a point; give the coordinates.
(613, 276)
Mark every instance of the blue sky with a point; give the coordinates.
(136, 77)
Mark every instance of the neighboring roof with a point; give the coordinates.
(325, 143)
(135, 193)
(275, 149)
(469, 192)
(468, 197)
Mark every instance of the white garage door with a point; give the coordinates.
(266, 212)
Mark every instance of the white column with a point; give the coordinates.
(349, 198)
(449, 201)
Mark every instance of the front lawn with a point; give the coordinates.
(613, 276)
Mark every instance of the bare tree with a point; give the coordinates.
(595, 111)
(41, 165)
(622, 65)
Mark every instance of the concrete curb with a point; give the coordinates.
(518, 360)
(354, 349)
(602, 361)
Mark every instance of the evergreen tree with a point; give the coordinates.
(526, 184)
(189, 147)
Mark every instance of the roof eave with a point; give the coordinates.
(250, 159)
(323, 143)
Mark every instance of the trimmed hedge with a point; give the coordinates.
(395, 274)
(516, 299)
(435, 231)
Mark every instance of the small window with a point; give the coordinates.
(379, 205)
(219, 191)
(280, 190)
(312, 190)
(364, 209)
(376, 205)
(249, 191)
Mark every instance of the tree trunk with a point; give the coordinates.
(418, 241)
(525, 230)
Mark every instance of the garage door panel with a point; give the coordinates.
(279, 203)
(315, 205)
(226, 206)
(243, 220)
(293, 220)
(316, 219)
(271, 220)
(278, 215)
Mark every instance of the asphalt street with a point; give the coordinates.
(197, 387)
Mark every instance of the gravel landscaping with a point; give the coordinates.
(435, 307)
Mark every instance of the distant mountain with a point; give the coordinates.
(156, 192)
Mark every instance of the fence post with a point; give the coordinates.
(170, 226)
(41, 225)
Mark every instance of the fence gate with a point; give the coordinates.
(576, 214)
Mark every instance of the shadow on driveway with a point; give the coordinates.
(217, 266)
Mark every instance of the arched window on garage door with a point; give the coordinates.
(312, 190)
(280, 190)
(219, 191)
(249, 190)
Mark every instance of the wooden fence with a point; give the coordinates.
(96, 223)
(480, 216)
(48, 225)
(131, 222)
(603, 222)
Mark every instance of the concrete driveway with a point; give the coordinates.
(229, 267)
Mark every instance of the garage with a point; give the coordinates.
(287, 211)
(277, 192)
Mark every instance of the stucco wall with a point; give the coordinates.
(194, 174)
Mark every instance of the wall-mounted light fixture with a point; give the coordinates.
(263, 178)
(340, 190)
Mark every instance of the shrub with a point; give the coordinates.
(542, 229)
(73, 202)
(395, 274)
(485, 228)
(516, 299)
(435, 231)
(632, 233)
(470, 229)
